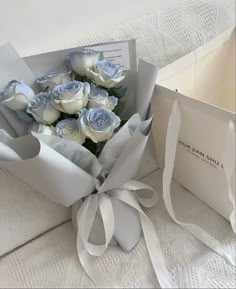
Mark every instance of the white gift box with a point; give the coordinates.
(202, 85)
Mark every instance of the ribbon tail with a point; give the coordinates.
(152, 242)
(155, 253)
(171, 147)
(99, 277)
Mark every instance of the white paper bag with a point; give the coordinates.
(203, 84)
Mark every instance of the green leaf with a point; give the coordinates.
(46, 89)
(100, 147)
(118, 92)
(82, 78)
(119, 108)
(94, 148)
(91, 146)
(78, 78)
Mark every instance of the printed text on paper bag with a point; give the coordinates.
(196, 152)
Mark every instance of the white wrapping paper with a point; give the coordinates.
(38, 156)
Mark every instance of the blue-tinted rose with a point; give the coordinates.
(42, 110)
(99, 98)
(70, 97)
(41, 128)
(81, 61)
(106, 74)
(54, 78)
(16, 95)
(70, 129)
(98, 124)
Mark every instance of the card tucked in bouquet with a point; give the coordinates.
(202, 87)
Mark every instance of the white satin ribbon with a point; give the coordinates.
(228, 161)
(171, 146)
(85, 218)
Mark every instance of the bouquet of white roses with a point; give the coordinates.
(77, 135)
(73, 103)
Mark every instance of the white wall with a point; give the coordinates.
(33, 26)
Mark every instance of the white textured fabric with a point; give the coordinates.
(24, 213)
(51, 260)
(164, 36)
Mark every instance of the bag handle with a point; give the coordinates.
(170, 153)
(228, 161)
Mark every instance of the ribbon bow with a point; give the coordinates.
(128, 194)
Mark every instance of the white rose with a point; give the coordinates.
(81, 61)
(106, 74)
(16, 95)
(41, 128)
(48, 81)
(98, 124)
(69, 129)
(99, 98)
(42, 110)
(70, 97)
